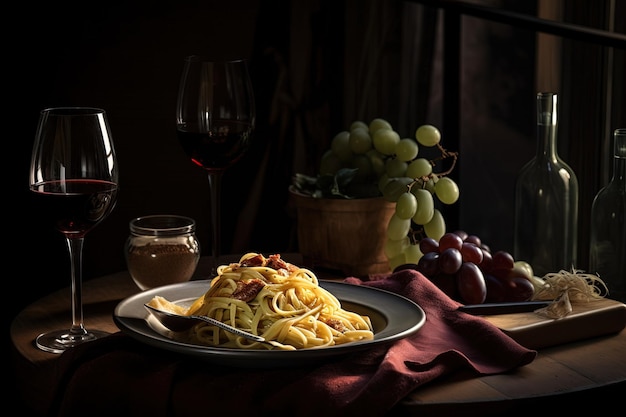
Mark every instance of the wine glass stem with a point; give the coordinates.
(75, 247)
(215, 186)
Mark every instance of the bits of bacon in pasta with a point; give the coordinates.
(277, 300)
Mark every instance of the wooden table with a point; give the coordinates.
(572, 373)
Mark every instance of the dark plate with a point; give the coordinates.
(393, 317)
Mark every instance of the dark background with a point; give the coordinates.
(127, 59)
(314, 73)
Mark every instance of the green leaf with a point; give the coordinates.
(344, 176)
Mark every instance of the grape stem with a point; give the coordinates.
(415, 235)
(446, 154)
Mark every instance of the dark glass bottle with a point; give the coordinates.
(546, 201)
(607, 249)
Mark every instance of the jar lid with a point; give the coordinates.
(162, 225)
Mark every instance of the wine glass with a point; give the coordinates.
(215, 117)
(74, 180)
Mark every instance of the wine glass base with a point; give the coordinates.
(60, 340)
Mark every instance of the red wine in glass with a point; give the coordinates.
(215, 117)
(74, 181)
(75, 206)
(217, 149)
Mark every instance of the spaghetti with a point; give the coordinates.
(274, 299)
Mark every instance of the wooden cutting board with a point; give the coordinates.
(590, 319)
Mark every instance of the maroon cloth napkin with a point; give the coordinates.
(117, 375)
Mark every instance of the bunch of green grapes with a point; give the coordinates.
(402, 176)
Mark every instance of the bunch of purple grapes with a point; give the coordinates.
(466, 270)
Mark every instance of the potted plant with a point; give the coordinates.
(373, 199)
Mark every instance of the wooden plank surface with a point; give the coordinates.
(590, 370)
(587, 319)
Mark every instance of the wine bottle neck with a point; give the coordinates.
(546, 125)
(546, 141)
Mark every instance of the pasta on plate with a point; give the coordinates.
(275, 299)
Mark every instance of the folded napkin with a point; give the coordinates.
(117, 375)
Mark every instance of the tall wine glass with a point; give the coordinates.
(215, 117)
(74, 179)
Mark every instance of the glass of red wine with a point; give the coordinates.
(74, 180)
(215, 118)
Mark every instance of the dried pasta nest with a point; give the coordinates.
(565, 288)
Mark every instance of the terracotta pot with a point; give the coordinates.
(344, 235)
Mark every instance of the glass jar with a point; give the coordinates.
(161, 250)
(607, 248)
(546, 201)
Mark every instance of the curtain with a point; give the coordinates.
(320, 65)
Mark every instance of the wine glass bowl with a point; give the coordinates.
(215, 120)
(74, 181)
